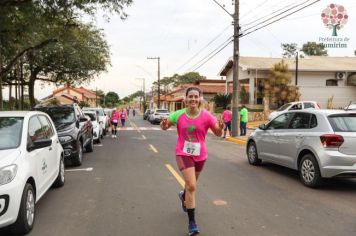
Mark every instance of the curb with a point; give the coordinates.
(236, 140)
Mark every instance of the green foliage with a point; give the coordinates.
(314, 49)
(278, 89)
(244, 95)
(83, 104)
(112, 98)
(289, 49)
(222, 100)
(177, 79)
(218, 110)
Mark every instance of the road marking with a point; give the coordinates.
(144, 137)
(98, 145)
(86, 169)
(153, 148)
(176, 175)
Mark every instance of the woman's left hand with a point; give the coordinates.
(221, 124)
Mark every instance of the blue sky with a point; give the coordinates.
(175, 30)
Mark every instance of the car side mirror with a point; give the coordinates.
(41, 143)
(262, 126)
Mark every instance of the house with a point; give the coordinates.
(174, 99)
(69, 95)
(319, 77)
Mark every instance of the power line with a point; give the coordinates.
(273, 16)
(196, 54)
(213, 55)
(209, 54)
(253, 9)
(244, 34)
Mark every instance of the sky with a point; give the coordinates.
(183, 32)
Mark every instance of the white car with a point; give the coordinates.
(31, 161)
(157, 115)
(103, 118)
(301, 105)
(97, 129)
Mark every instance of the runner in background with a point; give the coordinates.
(227, 117)
(114, 120)
(123, 115)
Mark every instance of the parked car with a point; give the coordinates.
(75, 131)
(157, 115)
(301, 105)
(103, 117)
(146, 114)
(31, 162)
(97, 129)
(317, 143)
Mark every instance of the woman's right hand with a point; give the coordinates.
(164, 124)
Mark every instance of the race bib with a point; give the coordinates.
(191, 148)
(115, 121)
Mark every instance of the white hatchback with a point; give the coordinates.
(31, 161)
(301, 105)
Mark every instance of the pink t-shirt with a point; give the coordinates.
(192, 130)
(115, 117)
(123, 115)
(226, 116)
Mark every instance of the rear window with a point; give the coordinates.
(343, 122)
(285, 106)
(61, 115)
(10, 132)
(162, 111)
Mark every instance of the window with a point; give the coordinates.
(297, 106)
(313, 121)
(280, 122)
(34, 130)
(300, 121)
(331, 82)
(343, 122)
(308, 105)
(47, 128)
(10, 132)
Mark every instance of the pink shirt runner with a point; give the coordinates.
(192, 130)
(226, 116)
(115, 117)
(123, 115)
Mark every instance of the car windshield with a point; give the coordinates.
(343, 122)
(10, 132)
(61, 115)
(285, 106)
(99, 112)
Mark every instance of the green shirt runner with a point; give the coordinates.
(244, 115)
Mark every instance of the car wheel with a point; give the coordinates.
(99, 139)
(90, 145)
(26, 216)
(78, 158)
(309, 171)
(104, 131)
(59, 182)
(252, 155)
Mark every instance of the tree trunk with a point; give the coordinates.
(31, 89)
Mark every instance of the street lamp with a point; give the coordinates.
(143, 91)
(159, 94)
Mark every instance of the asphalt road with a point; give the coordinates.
(130, 190)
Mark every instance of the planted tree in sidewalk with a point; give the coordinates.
(289, 49)
(278, 89)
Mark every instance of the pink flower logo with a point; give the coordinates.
(334, 17)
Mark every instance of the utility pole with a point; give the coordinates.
(296, 69)
(235, 78)
(158, 82)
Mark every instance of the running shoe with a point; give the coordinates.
(193, 229)
(181, 197)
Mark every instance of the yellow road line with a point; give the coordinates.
(176, 175)
(153, 148)
(144, 137)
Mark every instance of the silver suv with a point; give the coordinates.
(317, 143)
(157, 115)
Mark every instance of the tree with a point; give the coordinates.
(334, 17)
(289, 49)
(112, 97)
(222, 100)
(277, 88)
(314, 49)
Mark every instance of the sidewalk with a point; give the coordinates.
(251, 126)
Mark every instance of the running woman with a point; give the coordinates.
(114, 120)
(123, 115)
(227, 117)
(192, 123)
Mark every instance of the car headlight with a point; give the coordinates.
(7, 174)
(65, 139)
